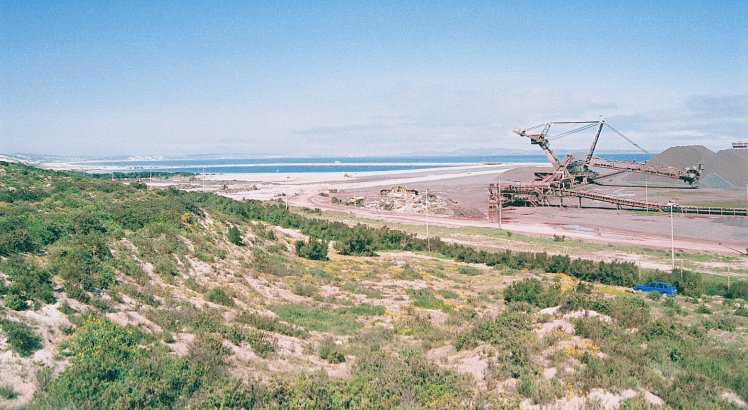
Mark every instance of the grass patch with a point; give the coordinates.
(271, 324)
(427, 299)
(363, 290)
(318, 318)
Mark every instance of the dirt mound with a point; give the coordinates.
(725, 169)
(731, 165)
(683, 156)
(417, 204)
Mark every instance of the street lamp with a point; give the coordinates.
(286, 189)
(671, 204)
(501, 204)
(428, 238)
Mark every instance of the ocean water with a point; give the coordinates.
(319, 164)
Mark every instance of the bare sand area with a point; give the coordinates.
(464, 189)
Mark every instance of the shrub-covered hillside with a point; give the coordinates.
(117, 296)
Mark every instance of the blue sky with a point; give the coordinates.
(129, 78)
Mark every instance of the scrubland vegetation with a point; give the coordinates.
(116, 296)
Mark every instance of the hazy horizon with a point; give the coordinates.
(297, 78)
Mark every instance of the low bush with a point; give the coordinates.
(7, 392)
(235, 237)
(533, 292)
(314, 249)
(21, 337)
(220, 296)
(329, 350)
(426, 298)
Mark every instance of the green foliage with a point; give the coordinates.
(511, 332)
(356, 241)
(259, 343)
(426, 298)
(468, 270)
(220, 296)
(741, 311)
(330, 351)
(7, 392)
(15, 302)
(315, 249)
(235, 236)
(21, 337)
(338, 321)
(80, 260)
(703, 309)
(533, 292)
(630, 312)
(271, 324)
(27, 282)
(91, 207)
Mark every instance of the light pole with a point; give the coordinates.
(286, 191)
(672, 237)
(501, 204)
(428, 238)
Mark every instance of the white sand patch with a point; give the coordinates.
(134, 319)
(562, 324)
(473, 362)
(550, 311)
(603, 398)
(587, 313)
(549, 373)
(182, 343)
(734, 399)
(652, 399)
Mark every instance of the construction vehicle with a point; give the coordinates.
(570, 174)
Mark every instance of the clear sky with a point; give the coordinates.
(361, 78)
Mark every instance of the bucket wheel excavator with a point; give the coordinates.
(571, 173)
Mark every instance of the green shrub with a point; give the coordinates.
(330, 351)
(304, 289)
(220, 296)
(315, 249)
(533, 292)
(235, 236)
(15, 302)
(468, 270)
(703, 309)
(7, 392)
(408, 273)
(741, 311)
(259, 343)
(21, 337)
(426, 298)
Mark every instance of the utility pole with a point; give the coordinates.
(672, 237)
(286, 193)
(428, 238)
(646, 193)
(501, 204)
